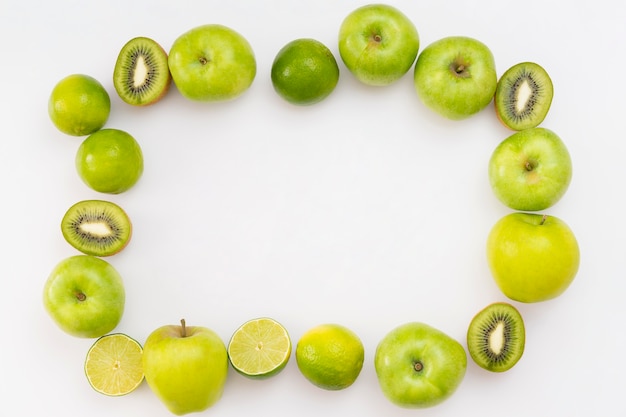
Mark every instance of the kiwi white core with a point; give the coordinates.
(524, 95)
(100, 229)
(496, 339)
(140, 72)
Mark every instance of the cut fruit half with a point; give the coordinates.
(113, 364)
(96, 227)
(259, 348)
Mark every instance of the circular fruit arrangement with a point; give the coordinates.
(532, 256)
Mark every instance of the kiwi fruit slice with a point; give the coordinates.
(523, 96)
(496, 337)
(141, 75)
(96, 227)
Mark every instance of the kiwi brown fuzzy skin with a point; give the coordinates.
(496, 337)
(141, 75)
(535, 106)
(96, 227)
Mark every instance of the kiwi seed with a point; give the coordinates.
(141, 75)
(496, 337)
(96, 227)
(523, 96)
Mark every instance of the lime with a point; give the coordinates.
(304, 72)
(259, 348)
(113, 364)
(109, 161)
(330, 356)
(79, 105)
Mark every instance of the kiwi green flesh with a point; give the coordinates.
(496, 337)
(523, 96)
(96, 227)
(141, 75)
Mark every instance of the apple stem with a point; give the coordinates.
(529, 166)
(418, 366)
(183, 328)
(378, 38)
(543, 219)
(81, 296)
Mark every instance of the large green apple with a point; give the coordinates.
(532, 257)
(378, 44)
(530, 170)
(212, 63)
(185, 366)
(419, 366)
(85, 296)
(456, 76)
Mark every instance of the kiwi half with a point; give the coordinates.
(96, 227)
(496, 337)
(523, 96)
(141, 75)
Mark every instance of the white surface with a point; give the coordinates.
(366, 210)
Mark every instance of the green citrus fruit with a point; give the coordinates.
(109, 161)
(259, 348)
(304, 72)
(79, 105)
(330, 356)
(113, 364)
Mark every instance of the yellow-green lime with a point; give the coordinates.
(330, 356)
(304, 72)
(79, 105)
(110, 161)
(259, 348)
(113, 364)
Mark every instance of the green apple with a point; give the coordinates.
(185, 366)
(378, 44)
(212, 63)
(532, 257)
(530, 170)
(85, 296)
(419, 366)
(456, 76)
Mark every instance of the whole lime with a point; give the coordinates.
(304, 72)
(79, 105)
(109, 161)
(330, 356)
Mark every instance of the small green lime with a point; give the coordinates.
(113, 364)
(304, 72)
(330, 356)
(109, 161)
(259, 348)
(79, 105)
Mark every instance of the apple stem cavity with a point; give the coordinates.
(460, 68)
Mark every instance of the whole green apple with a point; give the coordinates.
(419, 366)
(378, 44)
(85, 296)
(530, 170)
(532, 257)
(456, 76)
(185, 366)
(212, 63)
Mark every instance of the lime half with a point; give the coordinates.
(113, 364)
(260, 348)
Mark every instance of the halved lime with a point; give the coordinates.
(113, 364)
(259, 348)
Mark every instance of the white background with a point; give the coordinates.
(366, 209)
